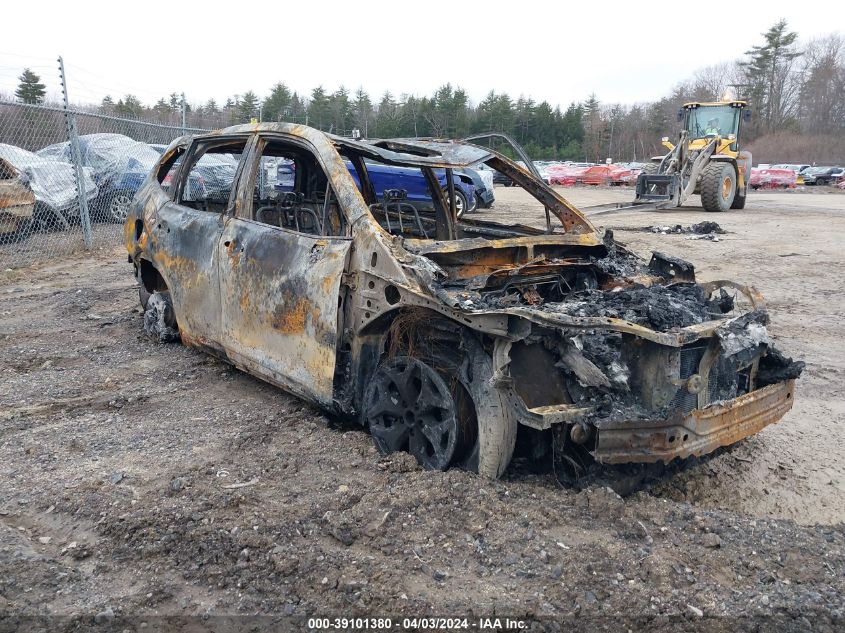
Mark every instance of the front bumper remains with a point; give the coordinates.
(697, 433)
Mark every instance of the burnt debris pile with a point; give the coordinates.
(660, 308)
(702, 228)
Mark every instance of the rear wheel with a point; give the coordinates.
(144, 296)
(461, 203)
(117, 207)
(160, 319)
(718, 187)
(20, 232)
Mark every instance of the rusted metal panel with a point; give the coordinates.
(279, 293)
(182, 244)
(700, 432)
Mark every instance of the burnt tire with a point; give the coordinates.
(718, 187)
(144, 296)
(160, 319)
(496, 422)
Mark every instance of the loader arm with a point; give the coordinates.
(677, 175)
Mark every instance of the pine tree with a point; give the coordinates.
(277, 105)
(363, 111)
(248, 107)
(30, 89)
(769, 77)
(318, 109)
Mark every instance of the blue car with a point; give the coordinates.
(408, 179)
(119, 166)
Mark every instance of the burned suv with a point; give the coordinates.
(448, 337)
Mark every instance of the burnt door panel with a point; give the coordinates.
(184, 245)
(279, 290)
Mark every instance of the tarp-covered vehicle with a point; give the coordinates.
(53, 182)
(118, 164)
(448, 337)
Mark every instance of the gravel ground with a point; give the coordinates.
(148, 486)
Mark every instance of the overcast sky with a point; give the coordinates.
(561, 52)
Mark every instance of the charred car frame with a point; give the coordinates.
(448, 337)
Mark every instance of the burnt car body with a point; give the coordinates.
(448, 337)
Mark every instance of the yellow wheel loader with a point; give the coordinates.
(706, 160)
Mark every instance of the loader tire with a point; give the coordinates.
(739, 199)
(650, 169)
(718, 187)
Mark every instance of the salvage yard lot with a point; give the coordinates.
(142, 478)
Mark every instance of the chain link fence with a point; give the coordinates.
(67, 178)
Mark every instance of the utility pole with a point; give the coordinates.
(73, 138)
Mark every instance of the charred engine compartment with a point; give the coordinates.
(614, 374)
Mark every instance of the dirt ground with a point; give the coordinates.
(148, 486)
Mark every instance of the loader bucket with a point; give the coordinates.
(656, 188)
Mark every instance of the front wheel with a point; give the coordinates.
(409, 408)
(718, 187)
(441, 404)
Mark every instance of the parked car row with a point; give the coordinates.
(811, 174)
(39, 190)
(823, 175)
(789, 176)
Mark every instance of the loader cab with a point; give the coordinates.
(704, 121)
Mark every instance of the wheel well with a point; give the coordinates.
(389, 336)
(150, 278)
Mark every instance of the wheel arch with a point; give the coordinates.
(471, 360)
(149, 276)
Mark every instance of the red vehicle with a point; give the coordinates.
(773, 179)
(569, 176)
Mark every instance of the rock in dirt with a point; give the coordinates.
(104, 617)
(711, 540)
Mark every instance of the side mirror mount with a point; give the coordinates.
(746, 114)
(680, 114)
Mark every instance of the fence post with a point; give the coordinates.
(184, 114)
(73, 138)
